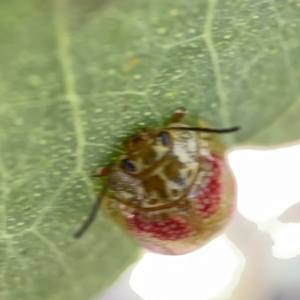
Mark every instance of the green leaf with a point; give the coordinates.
(78, 77)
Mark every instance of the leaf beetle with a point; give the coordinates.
(172, 190)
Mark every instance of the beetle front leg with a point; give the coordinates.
(101, 172)
(178, 114)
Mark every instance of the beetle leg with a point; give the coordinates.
(93, 212)
(103, 171)
(178, 114)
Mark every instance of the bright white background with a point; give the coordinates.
(257, 256)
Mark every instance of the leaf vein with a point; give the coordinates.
(24, 267)
(63, 43)
(5, 193)
(291, 108)
(207, 34)
(59, 258)
(192, 39)
(284, 47)
(49, 204)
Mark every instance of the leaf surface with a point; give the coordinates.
(79, 77)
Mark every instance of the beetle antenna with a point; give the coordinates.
(203, 129)
(93, 213)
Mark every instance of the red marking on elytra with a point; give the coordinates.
(209, 196)
(169, 229)
(208, 201)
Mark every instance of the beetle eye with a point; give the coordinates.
(127, 165)
(164, 138)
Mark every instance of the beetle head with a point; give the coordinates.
(145, 150)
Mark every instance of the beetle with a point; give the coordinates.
(172, 190)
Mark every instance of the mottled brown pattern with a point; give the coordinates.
(153, 201)
(147, 155)
(155, 183)
(171, 170)
(140, 146)
(121, 183)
